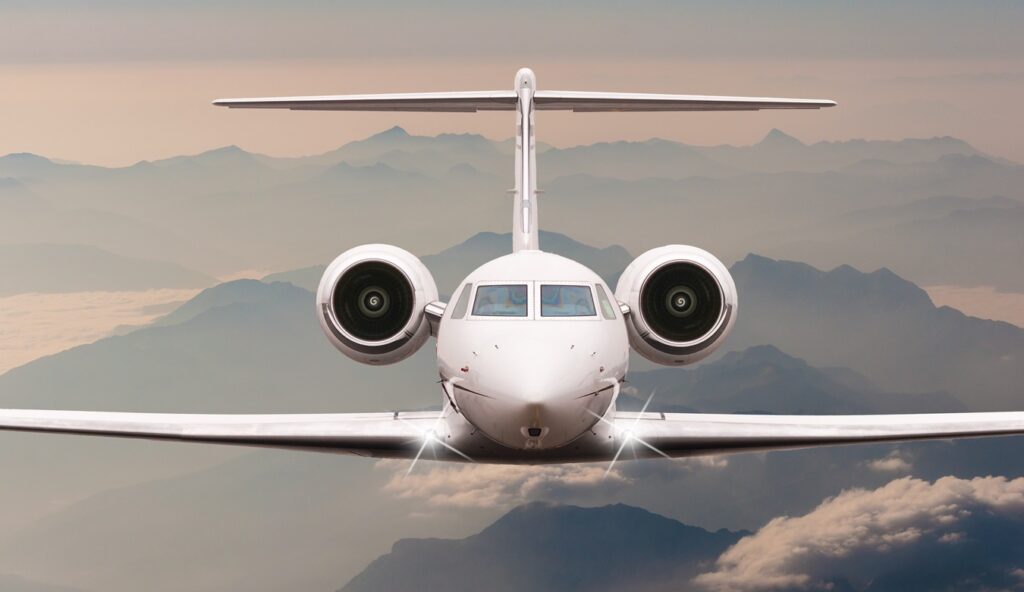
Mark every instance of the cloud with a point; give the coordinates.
(36, 325)
(806, 551)
(893, 463)
(498, 486)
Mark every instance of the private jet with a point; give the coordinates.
(533, 348)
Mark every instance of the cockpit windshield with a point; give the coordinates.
(506, 300)
(566, 301)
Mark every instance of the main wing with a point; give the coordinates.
(384, 435)
(691, 434)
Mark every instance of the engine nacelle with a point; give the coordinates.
(682, 303)
(370, 303)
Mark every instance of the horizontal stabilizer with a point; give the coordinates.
(557, 100)
(452, 102)
(499, 100)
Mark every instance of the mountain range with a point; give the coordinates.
(562, 547)
(453, 264)
(226, 210)
(81, 268)
(763, 379)
(878, 324)
(550, 547)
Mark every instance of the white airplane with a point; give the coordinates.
(534, 348)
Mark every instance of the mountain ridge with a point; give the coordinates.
(550, 546)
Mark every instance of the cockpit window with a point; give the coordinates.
(463, 302)
(606, 305)
(566, 301)
(506, 300)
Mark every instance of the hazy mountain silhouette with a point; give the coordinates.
(32, 167)
(77, 268)
(552, 547)
(451, 265)
(226, 157)
(544, 547)
(14, 194)
(425, 154)
(763, 379)
(938, 240)
(27, 218)
(265, 521)
(880, 325)
(778, 151)
(232, 293)
(632, 160)
(241, 210)
(238, 347)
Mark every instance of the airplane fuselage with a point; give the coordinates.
(532, 350)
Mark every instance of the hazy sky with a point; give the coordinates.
(112, 82)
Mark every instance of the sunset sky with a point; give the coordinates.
(113, 82)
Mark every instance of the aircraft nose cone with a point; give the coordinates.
(533, 394)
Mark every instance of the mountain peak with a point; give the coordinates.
(393, 133)
(758, 355)
(25, 157)
(844, 281)
(230, 149)
(224, 155)
(777, 137)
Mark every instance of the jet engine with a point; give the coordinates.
(682, 303)
(371, 303)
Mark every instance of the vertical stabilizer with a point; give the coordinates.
(524, 224)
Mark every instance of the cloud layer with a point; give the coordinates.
(808, 551)
(497, 486)
(36, 325)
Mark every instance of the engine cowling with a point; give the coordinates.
(371, 303)
(682, 303)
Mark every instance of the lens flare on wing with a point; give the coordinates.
(430, 438)
(628, 436)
